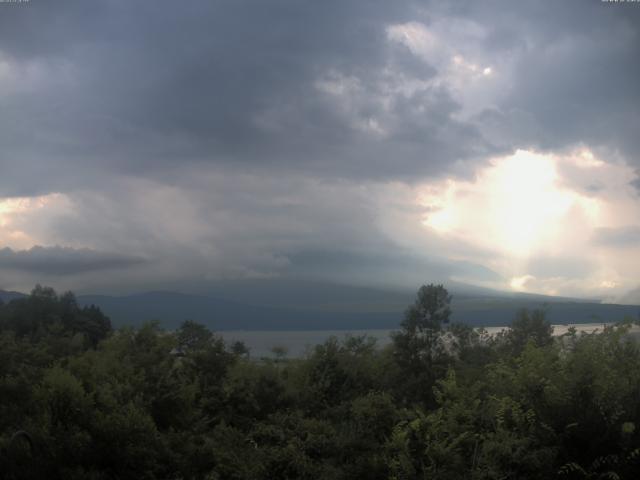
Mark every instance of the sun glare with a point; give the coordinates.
(442, 205)
(525, 199)
(513, 205)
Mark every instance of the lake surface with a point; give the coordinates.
(298, 342)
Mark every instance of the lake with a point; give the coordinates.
(298, 342)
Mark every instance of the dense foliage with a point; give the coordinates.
(80, 401)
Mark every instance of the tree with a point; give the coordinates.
(44, 314)
(530, 327)
(430, 311)
(419, 343)
(240, 349)
(193, 336)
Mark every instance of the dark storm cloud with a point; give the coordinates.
(236, 135)
(617, 237)
(402, 266)
(63, 260)
(146, 87)
(575, 74)
(636, 182)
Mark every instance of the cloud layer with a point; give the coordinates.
(63, 261)
(248, 139)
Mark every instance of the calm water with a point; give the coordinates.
(297, 343)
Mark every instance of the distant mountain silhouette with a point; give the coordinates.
(172, 308)
(6, 296)
(286, 305)
(317, 306)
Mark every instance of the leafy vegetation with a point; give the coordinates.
(79, 400)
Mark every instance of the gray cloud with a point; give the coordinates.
(63, 260)
(575, 72)
(632, 297)
(617, 237)
(395, 267)
(145, 88)
(243, 226)
(564, 266)
(636, 182)
(232, 137)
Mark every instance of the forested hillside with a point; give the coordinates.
(79, 400)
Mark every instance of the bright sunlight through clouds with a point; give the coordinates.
(521, 207)
(516, 203)
(17, 213)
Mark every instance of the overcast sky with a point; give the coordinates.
(153, 144)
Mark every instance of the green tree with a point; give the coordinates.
(529, 326)
(193, 336)
(420, 346)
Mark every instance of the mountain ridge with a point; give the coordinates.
(334, 308)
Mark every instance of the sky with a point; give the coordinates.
(175, 145)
